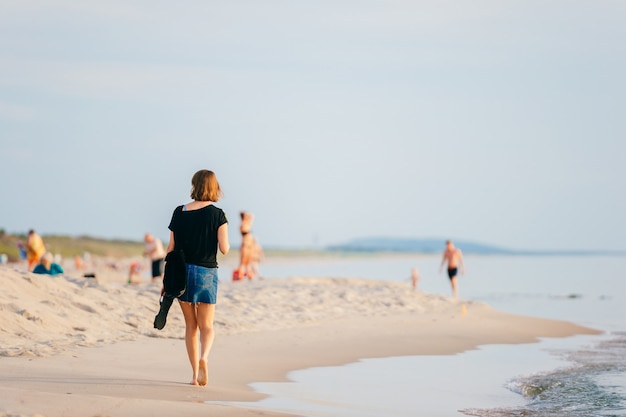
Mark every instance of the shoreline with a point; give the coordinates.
(120, 367)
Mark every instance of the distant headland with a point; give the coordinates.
(436, 245)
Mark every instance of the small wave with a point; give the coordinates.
(580, 390)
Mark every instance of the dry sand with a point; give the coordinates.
(73, 346)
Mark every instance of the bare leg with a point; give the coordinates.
(249, 271)
(453, 283)
(191, 337)
(205, 314)
(244, 263)
(245, 257)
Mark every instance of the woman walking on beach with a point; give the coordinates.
(199, 229)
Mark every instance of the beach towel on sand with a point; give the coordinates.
(174, 283)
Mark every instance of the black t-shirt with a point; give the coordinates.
(195, 232)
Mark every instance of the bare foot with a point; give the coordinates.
(203, 373)
(194, 382)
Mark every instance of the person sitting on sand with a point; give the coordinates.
(134, 273)
(47, 266)
(454, 258)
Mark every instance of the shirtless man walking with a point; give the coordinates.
(454, 257)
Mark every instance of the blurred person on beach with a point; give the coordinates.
(256, 257)
(78, 263)
(246, 250)
(35, 249)
(453, 257)
(155, 252)
(48, 266)
(22, 250)
(199, 229)
(134, 273)
(87, 258)
(415, 276)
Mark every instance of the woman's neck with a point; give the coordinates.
(196, 205)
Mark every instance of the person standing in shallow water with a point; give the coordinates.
(454, 258)
(200, 228)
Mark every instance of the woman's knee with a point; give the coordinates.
(191, 330)
(205, 327)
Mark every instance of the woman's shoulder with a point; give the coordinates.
(216, 210)
(219, 213)
(178, 209)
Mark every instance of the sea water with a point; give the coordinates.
(574, 376)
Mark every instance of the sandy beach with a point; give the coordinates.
(73, 346)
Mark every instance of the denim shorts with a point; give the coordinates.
(201, 285)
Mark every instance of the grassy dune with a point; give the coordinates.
(68, 246)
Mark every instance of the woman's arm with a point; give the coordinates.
(170, 246)
(222, 238)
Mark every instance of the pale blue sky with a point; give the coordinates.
(495, 121)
